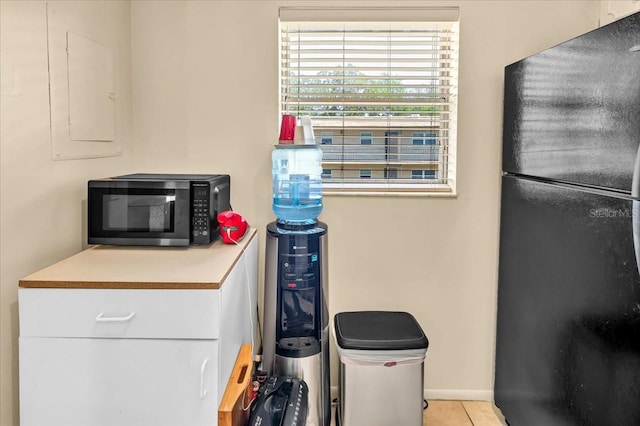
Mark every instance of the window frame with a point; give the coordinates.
(389, 170)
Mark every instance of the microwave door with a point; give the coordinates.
(139, 213)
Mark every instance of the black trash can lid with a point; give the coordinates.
(379, 330)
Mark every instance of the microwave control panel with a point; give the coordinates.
(201, 218)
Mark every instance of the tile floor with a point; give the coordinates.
(462, 413)
(457, 413)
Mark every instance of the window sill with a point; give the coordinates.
(439, 192)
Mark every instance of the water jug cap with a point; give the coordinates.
(304, 132)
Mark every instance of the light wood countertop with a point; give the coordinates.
(127, 267)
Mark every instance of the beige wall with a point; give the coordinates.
(206, 91)
(612, 10)
(42, 201)
(204, 99)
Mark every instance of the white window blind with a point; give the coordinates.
(387, 80)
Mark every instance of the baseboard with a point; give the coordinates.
(445, 394)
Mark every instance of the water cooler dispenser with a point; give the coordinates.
(296, 315)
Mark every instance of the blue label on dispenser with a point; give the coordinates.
(314, 257)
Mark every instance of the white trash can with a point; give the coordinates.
(381, 368)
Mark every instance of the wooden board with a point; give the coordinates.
(234, 406)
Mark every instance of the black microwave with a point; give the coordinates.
(156, 209)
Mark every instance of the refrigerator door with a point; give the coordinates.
(572, 112)
(568, 332)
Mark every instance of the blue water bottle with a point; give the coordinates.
(297, 183)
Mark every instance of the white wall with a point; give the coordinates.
(206, 94)
(205, 99)
(42, 201)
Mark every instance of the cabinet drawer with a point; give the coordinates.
(118, 382)
(109, 313)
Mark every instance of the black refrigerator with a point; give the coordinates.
(568, 327)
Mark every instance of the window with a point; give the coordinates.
(326, 173)
(380, 86)
(366, 138)
(365, 174)
(429, 138)
(390, 173)
(423, 174)
(326, 138)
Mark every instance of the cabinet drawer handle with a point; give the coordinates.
(102, 318)
(203, 389)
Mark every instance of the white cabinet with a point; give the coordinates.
(98, 348)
